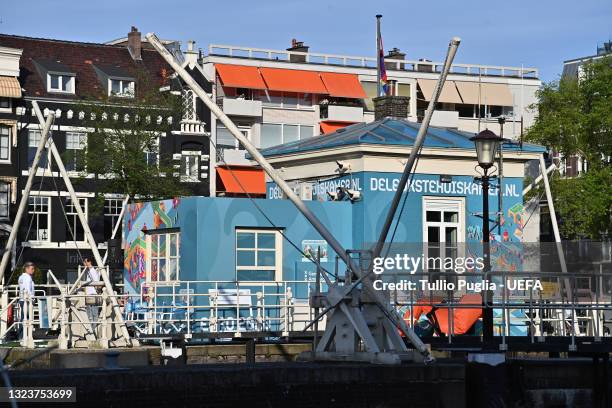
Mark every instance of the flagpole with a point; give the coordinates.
(378, 79)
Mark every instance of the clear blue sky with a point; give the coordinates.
(538, 33)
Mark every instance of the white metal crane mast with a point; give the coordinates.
(337, 295)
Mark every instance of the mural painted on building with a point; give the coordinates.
(141, 218)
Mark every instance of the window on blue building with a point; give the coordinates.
(443, 220)
(258, 255)
(163, 259)
(443, 231)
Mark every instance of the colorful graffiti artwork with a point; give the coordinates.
(517, 219)
(474, 232)
(143, 217)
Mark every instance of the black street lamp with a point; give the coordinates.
(487, 143)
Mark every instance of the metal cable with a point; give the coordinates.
(316, 262)
(67, 220)
(18, 259)
(416, 163)
(534, 208)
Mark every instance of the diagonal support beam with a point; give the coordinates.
(88, 235)
(124, 205)
(450, 56)
(538, 179)
(46, 126)
(553, 220)
(299, 204)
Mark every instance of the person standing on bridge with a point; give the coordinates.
(26, 292)
(93, 299)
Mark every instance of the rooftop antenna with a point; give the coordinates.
(479, 94)
(345, 303)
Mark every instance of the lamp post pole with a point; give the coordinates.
(487, 301)
(487, 145)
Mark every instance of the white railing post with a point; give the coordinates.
(188, 310)
(63, 339)
(214, 313)
(104, 324)
(237, 306)
(4, 305)
(260, 319)
(28, 306)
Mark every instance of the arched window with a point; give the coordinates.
(189, 110)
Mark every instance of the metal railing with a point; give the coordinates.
(221, 308)
(230, 309)
(369, 62)
(525, 312)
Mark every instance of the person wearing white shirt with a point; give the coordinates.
(92, 300)
(26, 290)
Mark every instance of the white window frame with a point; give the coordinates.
(278, 249)
(167, 256)
(39, 214)
(299, 125)
(246, 131)
(9, 146)
(189, 105)
(454, 204)
(112, 210)
(122, 93)
(4, 185)
(147, 152)
(10, 105)
(46, 152)
(61, 77)
(75, 218)
(82, 143)
(190, 155)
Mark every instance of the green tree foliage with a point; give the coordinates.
(123, 150)
(584, 204)
(575, 118)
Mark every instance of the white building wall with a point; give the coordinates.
(523, 90)
(291, 116)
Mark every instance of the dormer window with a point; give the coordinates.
(58, 77)
(60, 83)
(117, 81)
(121, 87)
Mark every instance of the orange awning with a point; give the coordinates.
(331, 126)
(293, 80)
(343, 85)
(9, 87)
(241, 180)
(239, 76)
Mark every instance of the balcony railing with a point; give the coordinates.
(342, 113)
(193, 126)
(240, 107)
(369, 62)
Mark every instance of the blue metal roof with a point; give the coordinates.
(387, 131)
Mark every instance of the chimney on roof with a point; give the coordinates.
(297, 46)
(191, 55)
(391, 106)
(395, 53)
(424, 65)
(134, 44)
